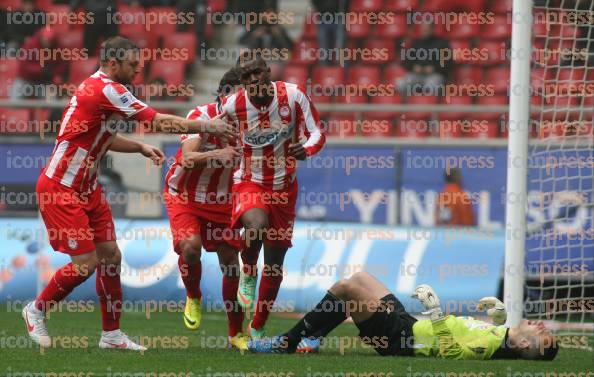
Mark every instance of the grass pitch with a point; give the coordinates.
(176, 352)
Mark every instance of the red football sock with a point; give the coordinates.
(267, 293)
(60, 285)
(249, 258)
(109, 290)
(191, 275)
(232, 307)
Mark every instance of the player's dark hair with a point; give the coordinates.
(230, 79)
(248, 55)
(116, 48)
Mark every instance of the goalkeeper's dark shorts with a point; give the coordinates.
(390, 329)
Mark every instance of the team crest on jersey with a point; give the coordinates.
(72, 244)
(284, 111)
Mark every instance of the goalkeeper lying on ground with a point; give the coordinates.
(384, 323)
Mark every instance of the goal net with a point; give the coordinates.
(559, 247)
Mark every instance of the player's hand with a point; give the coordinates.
(428, 298)
(218, 127)
(226, 154)
(153, 153)
(296, 150)
(495, 309)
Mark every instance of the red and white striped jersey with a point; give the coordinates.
(205, 185)
(266, 133)
(84, 135)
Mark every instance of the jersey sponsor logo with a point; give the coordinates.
(259, 137)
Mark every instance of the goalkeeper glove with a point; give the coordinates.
(495, 309)
(425, 294)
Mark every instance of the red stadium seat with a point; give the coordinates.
(492, 101)
(358, 30)
(483, 129)
(463, 30)
(15, 121)
(296, 74)
(394, 74)
(305, 52)
(500, 29)
(183, 43)
(456, 101)
(80, 70)
(383, 100)
(569, 78)
(62, 25)
(71, 40)
(539, 77)
(309, 28)
(366, 5)
(422, 100)
(451, 128)
(217, 5)
(354, 99)
(383, 51)
(467, 75)
(401, 6)
(498, 78)
(341, 125)
(461, 51)
(12, 4)
(143, 39)
(502, 6)
(413, 127)
(364, 76)
(170, 71)
(473, 6)
(319, 98)
(495, 53)
(9, 69)
(328, 76)
(396, 29)
(163, 17)
(375, 126)
(131, 20)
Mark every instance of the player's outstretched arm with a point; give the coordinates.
(495, 309)
(124, 145)
(167, 123)
(192, 158)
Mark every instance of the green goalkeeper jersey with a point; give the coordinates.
(457, 338)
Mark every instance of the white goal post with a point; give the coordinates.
(549, 246)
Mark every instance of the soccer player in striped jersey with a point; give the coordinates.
(77, 217)
(270, 117)
(198, 199)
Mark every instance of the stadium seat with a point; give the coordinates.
(328, 76)
(483, 129)
(496, 53)
(296, 74)
(463, 30)
(170, 71)
(492, 101)
(185, 43)
(364, 76)
(568, 79)
(304, 52)
(15, 121)
(13, 4)
(375, 126)
(217, 5)
(412, 127)
(396, 29)
(9, 69)
(450, 128)
(384, 48)
(352, 99)
(71, 40)
(501, 6)
(539, 77)
(500, 29)
(61, 26)
(455, 101)
(461, 51)
(162, 27)
(383, 100)
(498, 77)
(401, 6)
(143, 39)
(467, 75)
(309, 28)
(366, 5)
(321, 99)
(80, 70)
(341, 125)
(358, 30)
(394, 74)
(421, 100)
(473, 6)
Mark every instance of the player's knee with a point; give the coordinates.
(85, 265)
(341, 288)
(109, 255)
(255, 222)
(359, 277)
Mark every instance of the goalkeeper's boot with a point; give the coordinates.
(309, 345)
(193, 313)
(35, 321)
(116, 339)
(276, 344)
(246, 291)
(239, 341)
(255, 333)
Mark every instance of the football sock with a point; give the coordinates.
(249, 258)
(109, 290)
(325, 317)
(232, 307)
(267, 293)
(191, 275)
(60, 285)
